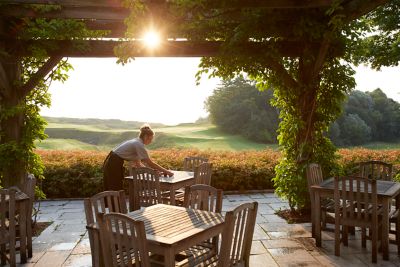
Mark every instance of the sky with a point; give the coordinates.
(158, 90)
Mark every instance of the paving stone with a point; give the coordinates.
(257, 247)
(63, 246)
(48, 203)
(259, 233)
(71, 228)
(343, 260)
(281, 243)
(82, 260)
(293, 257)
(83, 247)
(262, 260)
(53, 258)
(279, 206)
(72, 215)
(272, 218)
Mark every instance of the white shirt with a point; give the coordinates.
(131, 150)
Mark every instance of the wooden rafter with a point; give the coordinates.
(40, 74)
(110, 13)
(101, 48)
(276, 4)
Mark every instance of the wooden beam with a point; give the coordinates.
(102, 48)
(357, 8)
(109, 13)
(40, 74)
(276, 4)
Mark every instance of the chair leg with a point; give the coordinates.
(374, 245)
(397, 236)
(345, 235)
(3, 254)
(363, 237)
(337, 241)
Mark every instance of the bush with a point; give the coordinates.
(79, 173)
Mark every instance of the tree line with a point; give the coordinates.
(238, 107)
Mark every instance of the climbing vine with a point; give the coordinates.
(22, 112)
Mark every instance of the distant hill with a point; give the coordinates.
(98, 134)
(101, 123)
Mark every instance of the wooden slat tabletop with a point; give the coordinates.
(178, 176)
(170, 224)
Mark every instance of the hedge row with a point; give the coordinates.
(79, 173)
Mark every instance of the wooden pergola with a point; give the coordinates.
(110, 15)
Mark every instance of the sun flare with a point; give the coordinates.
(152, 39)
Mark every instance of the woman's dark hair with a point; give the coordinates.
(145, 130)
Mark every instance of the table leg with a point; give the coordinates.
(317, 219)
(312, 214)
(385, 228)
(169, 258)
(172, 196)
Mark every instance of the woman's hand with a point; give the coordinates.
(168, 173)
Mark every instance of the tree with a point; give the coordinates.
(379, 114)
(309, 84)
(24, 91)
(237, 107)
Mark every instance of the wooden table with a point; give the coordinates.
(178, 180)
(386, 191)
(171, 229)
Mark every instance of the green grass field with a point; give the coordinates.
(101, 135)
(95, 134)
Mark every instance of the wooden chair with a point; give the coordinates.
(394, 218)
(315, 177)
(356, 205)
(202, 173)
(7, 226)
(101, 203)
(189, 163)
(124, 240)
(145, 190)
(204, 197)
(236, 239)
(29, 189)
(377, 170)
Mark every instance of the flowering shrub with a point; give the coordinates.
(79, 173)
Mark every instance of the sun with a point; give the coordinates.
(151, 39)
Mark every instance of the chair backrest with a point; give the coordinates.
(104, 202)
(124, 240)
(202, 173)
(360, 196)
(146, 187)
(7, 216)
(377, 170)
(29, 186)
(238, 235)
(189, 163)
(203, 197)
(314, 174)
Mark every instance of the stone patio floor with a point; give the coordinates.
(275, 243)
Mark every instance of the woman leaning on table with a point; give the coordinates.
(134, 151)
